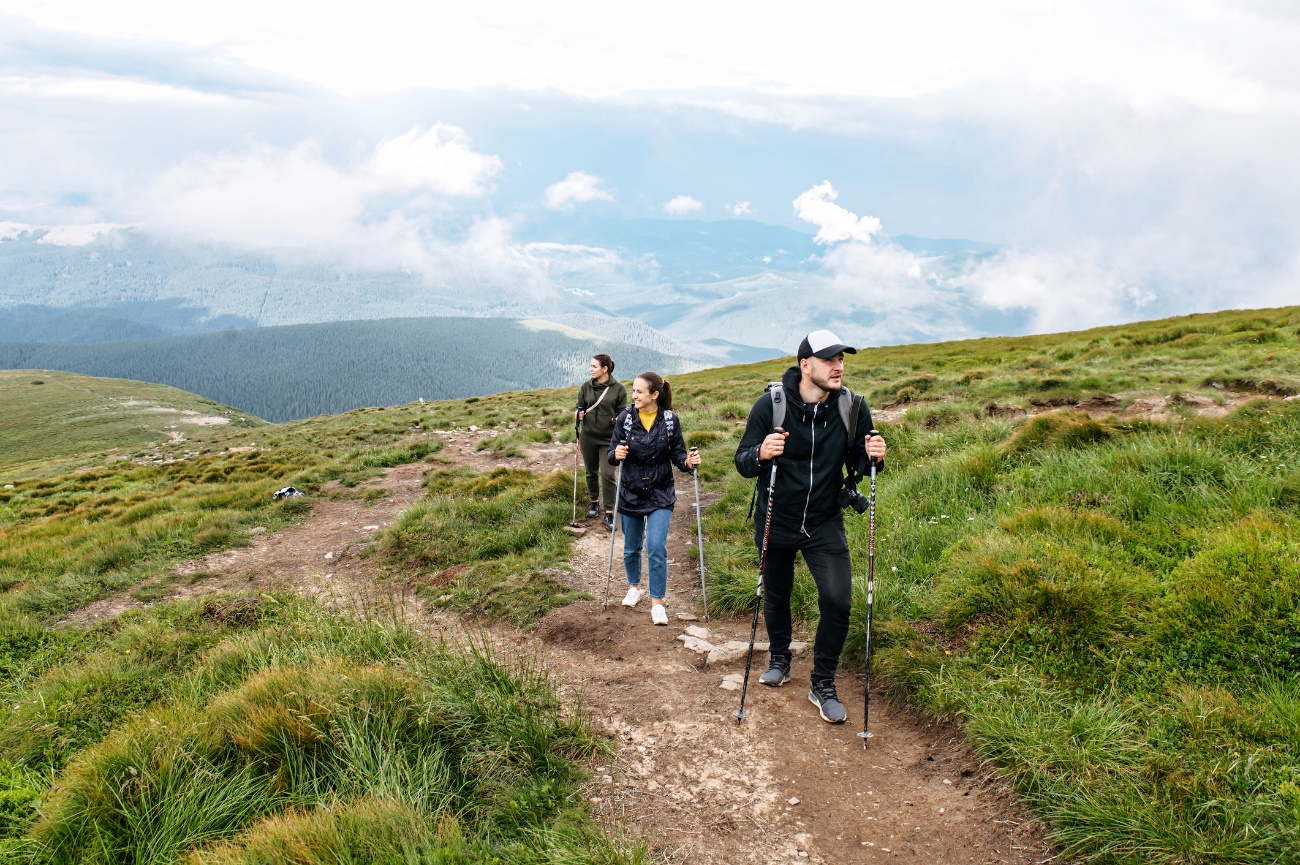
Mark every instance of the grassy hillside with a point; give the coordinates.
(1109, 606)
(47, 415)
(297, 371)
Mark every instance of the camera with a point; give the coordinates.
(849, 496)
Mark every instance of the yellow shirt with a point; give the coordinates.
(647, 418)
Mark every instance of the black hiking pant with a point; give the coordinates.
(600, 474)
(826, 553)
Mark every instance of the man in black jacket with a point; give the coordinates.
(810, 454)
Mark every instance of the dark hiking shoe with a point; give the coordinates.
(608, 522)
(778, 673)
(593, 511)
(828, 703)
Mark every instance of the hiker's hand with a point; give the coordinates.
(581, 413)
(692, 459)
(620, 453)
(876, 447)
(772, 447)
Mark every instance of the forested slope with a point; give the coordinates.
(297, 371)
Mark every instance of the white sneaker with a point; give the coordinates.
(633, 595)
(658, 614)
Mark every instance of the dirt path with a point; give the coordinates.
(783, 787)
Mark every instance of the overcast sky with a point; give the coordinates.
(1131, 157)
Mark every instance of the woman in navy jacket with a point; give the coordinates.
(648, 441)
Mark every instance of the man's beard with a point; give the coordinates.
(825, 383)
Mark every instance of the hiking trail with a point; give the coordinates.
(695, 786)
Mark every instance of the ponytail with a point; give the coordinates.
(658, 384)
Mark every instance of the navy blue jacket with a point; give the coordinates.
(646, 481)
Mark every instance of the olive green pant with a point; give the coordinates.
(600, 474)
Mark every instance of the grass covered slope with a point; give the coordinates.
(47, 415)
(269, 731)
(1109, 605)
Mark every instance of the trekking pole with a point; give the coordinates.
(577, 447)
(865, 735)
(618, 486)
(699, 534)
(758, 595)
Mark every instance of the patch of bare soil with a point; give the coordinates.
(319, 556)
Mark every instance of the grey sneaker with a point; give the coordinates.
(778, 673)
(828, 703)
(593, 511)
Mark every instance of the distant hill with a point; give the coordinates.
(47, 415)
(297, 371)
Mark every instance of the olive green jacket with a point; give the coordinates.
(598, 424)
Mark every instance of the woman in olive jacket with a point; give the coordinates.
(648, 441)
(599, 402)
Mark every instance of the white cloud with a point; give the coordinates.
(834, 223)
(265, 196)
(103, 88)
(60, 235)
(295, 197)
(1206, 53)
(681, 205)
(576, 187)
(741, 209)
(440, 159)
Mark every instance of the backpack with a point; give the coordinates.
(848, 415)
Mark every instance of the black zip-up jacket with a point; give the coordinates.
(810, 473)
(647, 476)
(598, 423)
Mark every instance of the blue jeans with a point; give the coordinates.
(651, 530)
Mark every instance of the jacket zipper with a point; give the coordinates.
(812, 458)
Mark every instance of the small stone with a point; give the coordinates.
(733, 650)
(369, 528)
(257, 530)
(687, 617)
(732, 682)
(700, 647)
(329, 556)
(9, 486)
(697, 631)
(793, 800)
(885, 850)
(946, 781)
(943, 810)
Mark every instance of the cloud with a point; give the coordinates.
(577, 186)
(741, 209)
(439, 159)
(681, 205)
(60, 235)
(264, 196)
(834, 223)
(103, 88)
(295, 197)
